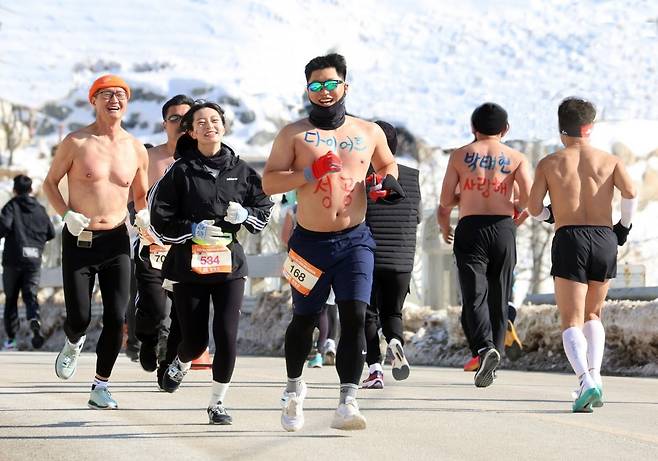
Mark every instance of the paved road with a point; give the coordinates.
(436, 414)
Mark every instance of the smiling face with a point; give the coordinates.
(207, 127)
(111, 102)
(324, 97)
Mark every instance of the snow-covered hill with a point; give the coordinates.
(423, 64)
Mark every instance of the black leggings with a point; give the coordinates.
(152, 306)
(351, 347)
(389, 290)
(25, 280)
(109, 258)
(193, 310)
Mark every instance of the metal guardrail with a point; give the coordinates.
(614, 294)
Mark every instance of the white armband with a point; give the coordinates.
(628, 207)
(543, 215)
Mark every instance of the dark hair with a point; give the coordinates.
(148, 145)
(188, 118)
(391, 134)
(334, 60)
(575, 112)
(22, 184)
(178, 100)
(489, 119)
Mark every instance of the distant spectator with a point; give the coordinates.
(26, 227)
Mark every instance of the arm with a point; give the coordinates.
(258, 205)
(277, 174)
(164, 206)
(60, 166)
(287, 227)
(538, 191)
(443, 218)
(50, 231)
(6, 219)
(449, 196)
(140, 181)
(382, 159)
(522, 179)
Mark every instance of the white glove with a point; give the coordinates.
(236, 213)
(75, 222)
(143, 219)
(205, 233)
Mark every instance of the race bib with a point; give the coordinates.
(301, 274)
(157, 255)
(31, 252)
(211, 259)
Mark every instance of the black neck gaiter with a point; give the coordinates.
(328, 118)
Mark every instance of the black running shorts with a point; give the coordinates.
(582, 253)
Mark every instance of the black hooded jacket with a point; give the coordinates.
(26, 228)
(189, 193)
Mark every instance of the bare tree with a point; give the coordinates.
(13, 129)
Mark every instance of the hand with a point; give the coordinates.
(388, 188)
(75, 222)
(145, 237)
(143, 219)
(206, 233)
(374, 187)
(328, 163)
(621, 232)
(236, 213)
(519, 218)
(448, 234)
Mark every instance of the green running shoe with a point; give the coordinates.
(67, 359)
(101, 399)
(583, 403)
(316, 361)
(598, 403)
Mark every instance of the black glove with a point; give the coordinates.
(394, 189)
(621, 232)
(551, 218)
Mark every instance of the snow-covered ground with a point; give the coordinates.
(422, 64)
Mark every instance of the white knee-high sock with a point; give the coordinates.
(218, 393)
(595, 336)
(575, 346)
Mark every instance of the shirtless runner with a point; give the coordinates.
(101, 161)
(325, 157)
(485, 238)
(580, 181)
(151, 300)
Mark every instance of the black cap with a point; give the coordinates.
(489, 119)
(391, 134)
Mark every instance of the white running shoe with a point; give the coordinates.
(347, 417)
(399, 361)
(101, 399)
(67, 360)
(329, 352)
(292, 414)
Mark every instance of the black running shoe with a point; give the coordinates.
(148, 356)
(37, 339)
(217, 415)
(486, 373)
(173, 376)
(160, 372)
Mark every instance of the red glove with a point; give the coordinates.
(374, 187)
(328, 163)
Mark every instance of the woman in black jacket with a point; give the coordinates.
(197, 207)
